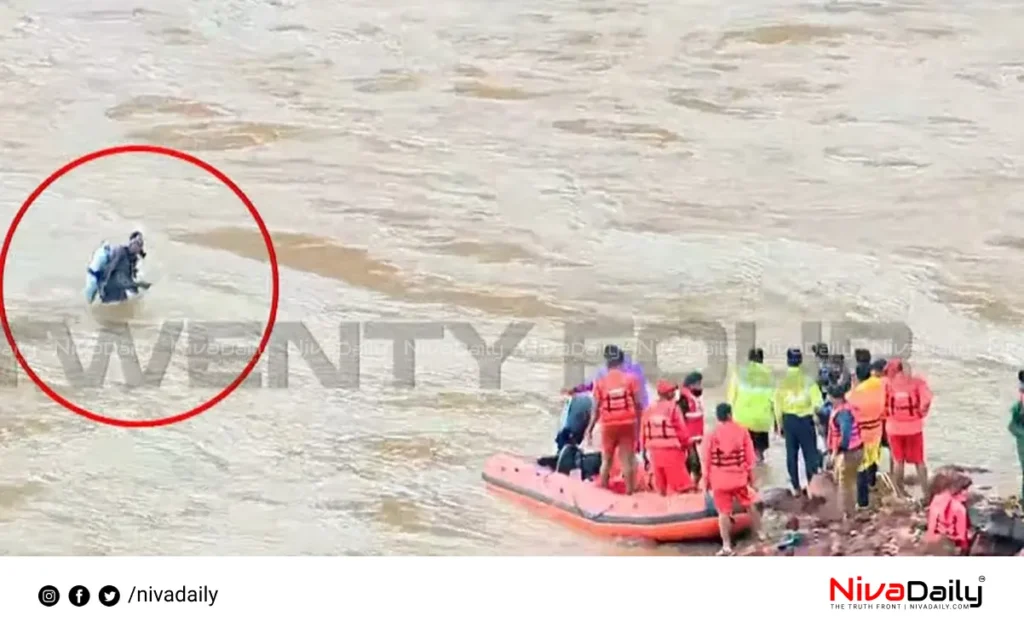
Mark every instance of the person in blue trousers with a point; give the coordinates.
(797, 399)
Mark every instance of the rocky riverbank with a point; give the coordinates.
(891, 526)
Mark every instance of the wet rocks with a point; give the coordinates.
(812, 524)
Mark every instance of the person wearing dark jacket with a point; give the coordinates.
(861, 358)
(118, 277)
(577, 417)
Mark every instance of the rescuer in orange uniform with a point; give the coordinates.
(617, 409)
(867, 398)
(692, 407)
(664, 439)
(947, 517)
(878, 371)
(908, 400)
(729, 460)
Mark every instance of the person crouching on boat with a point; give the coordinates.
(729, 460)
(665, 441)
(617, 408)
(577, 417)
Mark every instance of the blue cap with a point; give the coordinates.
(794, 357)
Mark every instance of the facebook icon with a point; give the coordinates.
(79, 596)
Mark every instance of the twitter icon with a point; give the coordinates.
(109, 596)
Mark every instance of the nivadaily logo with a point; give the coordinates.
(912, 594)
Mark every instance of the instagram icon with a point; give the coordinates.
(49, 596)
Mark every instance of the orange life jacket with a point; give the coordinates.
(947, 517)
(868, 402)
(907, 403)
(662, 426)
(694, 416)
(615, 395)
(835, 434)
(728, 453)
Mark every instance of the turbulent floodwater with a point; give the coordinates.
(542, 160)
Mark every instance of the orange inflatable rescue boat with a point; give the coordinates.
(583, 504)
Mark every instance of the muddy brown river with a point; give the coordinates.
(542, 161)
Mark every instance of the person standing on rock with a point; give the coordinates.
(1017, 427)
(868, 401)
(908, 400)
(846, 446)
(797, 398)
(878, 371)
(751, 394)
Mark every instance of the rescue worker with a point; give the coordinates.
(628, 366)
(908, 400)
(665, 442)
(617, 408)
(1017, 427)
(729, 459)
(878, 371)
(868, 402)
(797, 397)
(751, 394)
(947, 517)
(692, 407)
(846, 447)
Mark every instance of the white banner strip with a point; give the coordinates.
(527, 594)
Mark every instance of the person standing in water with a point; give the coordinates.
(617, 408)
(908, 400)
(118, 277)
(1016, 427)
